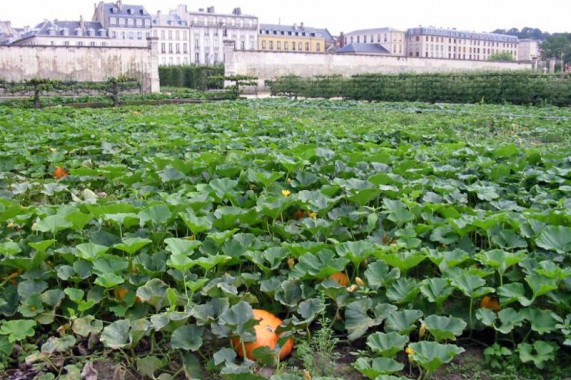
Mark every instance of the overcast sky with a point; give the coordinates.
(337, 16)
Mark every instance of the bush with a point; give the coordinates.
(491, 87)
(191, 76)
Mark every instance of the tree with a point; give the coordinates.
(504, 56)
(557, 46)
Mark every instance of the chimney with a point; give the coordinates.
(301, 25)
(210, 9)
(159, 15)
(81, 22)
(295, 26)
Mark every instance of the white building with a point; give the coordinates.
(527, 50)
(129, 24)
(208, 30)
(65, 33)
(392, 40)
(174, 43)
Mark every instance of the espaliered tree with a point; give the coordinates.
(36, 87)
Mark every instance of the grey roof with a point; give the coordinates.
(373, 31)
(56, 28)
(360, 48)
(112, 9)
(431, 31)
(169, 20)
(298, 30)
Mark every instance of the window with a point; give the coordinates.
(92, 43)
(130, 22)
(139, 22)
(139, 35)
(286, 46)
(113, 34)
(279, 43)
(121, 21)
(170, 34)
(293, 46)
(197, 58)
(196, 44)
(178, 48)
(318, 47)
(185, 48)
(358, 39)
(163, 48)
(123, 35)
(177, 35)
(215, 57)
(155, 34)
(271, 45)
(131, 35)
(307, 46)
(300, 46)
(184, 35)
(364, 39)
(104, 44)
(66, 43)
(263, 45)
(170, 48)
(162, 34)
(243, 45)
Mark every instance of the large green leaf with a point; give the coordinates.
(117, 334)
(432, 355)
(386, 344)
(402, 321)
(377, 366)
(188, 337)
(556, 238)
(443, 328)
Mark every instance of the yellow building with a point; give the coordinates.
(284, 38)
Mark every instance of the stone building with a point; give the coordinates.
(456, 44)
(355, 48)
(172, 32)
(294, 38)
(390, 39)
(129, 24)
(207, 31)
(65, 33)
(528, 50)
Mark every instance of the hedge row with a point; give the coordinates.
(497, 87)
(195, 77)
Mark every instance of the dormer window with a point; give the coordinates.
(65, 32)
(141, 12)
(130, 11)
(91, 32)
(78, 32)
(102, 33)
(51, 31)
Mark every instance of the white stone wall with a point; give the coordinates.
(84, 64)
(270, 65)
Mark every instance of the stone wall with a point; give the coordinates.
(270, 65)
(83, 64)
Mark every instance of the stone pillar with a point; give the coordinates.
(229, 57)
(155, 84)
(552, 65)
(229, 60)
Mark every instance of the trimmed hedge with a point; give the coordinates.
(191, 76)
(490, 87)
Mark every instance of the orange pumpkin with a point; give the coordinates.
(300, 214)
(341, 278)
(490, 303)
(265, 336)
(60, 172)
(120, 293)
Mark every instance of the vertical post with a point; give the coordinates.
(155, 85)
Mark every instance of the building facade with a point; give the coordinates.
(455, 44)
(128, 24)
(207, 31)
(528, 50)
(65, 33)
(394, 41)
(294, 38)
(173, 34)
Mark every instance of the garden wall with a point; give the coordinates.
(271, 65)
(82, 64)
